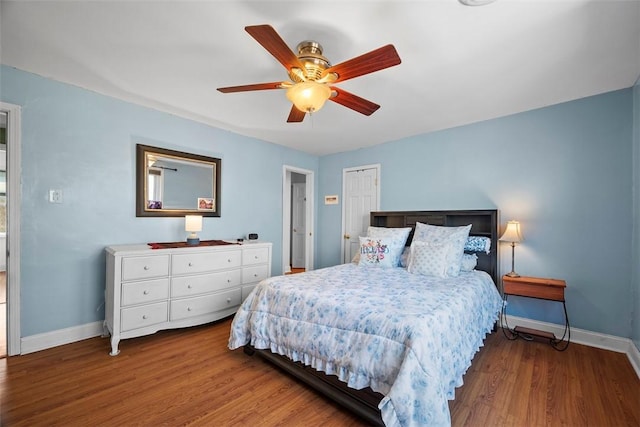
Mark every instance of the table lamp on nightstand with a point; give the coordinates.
(512, 235)
(193, 223)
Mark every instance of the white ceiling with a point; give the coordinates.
(460, 64)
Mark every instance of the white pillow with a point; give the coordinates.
(375, 252)
(395, 237)
(428, 258)
(469, 262)
(454, 238)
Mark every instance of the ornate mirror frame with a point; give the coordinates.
(155, 161)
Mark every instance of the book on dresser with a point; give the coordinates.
(148, 290)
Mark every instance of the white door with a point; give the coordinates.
(287, 197)
(360, 195)
(298, 229)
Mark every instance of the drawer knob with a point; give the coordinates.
(228, 280)
(188, 286)
(228, 300)
(255, 274)
(146, 267)
(256, 256)
(188, 308)
(229, 260)
(144, 316)
(145, 292)
(190, 264)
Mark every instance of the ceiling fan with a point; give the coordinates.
(312, 76)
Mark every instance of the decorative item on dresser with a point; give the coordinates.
(540, 288)
(148, 290)
(193, 223)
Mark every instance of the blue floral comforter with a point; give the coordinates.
(407, 336)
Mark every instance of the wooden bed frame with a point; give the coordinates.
(364, 402)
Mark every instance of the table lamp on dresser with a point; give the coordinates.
(193, 223)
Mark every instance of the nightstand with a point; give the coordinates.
(539, 288)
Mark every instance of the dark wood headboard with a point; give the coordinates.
(483, 223)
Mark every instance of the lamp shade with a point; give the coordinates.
(512, 233)
(193, 223)
(308, 96)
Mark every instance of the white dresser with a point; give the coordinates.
(148, 290)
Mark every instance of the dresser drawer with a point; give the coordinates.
(204, 262)
(197, 306)
(246, 290)
(143, 315)
(255, 256)
(146, 291)
(255, 274)
(145, 267)
(202, 283)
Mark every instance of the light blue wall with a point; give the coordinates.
(84, 144)
(564, 171)
(635, 328)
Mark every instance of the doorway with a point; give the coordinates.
(3, 234)
(12, 149)
(361, 196)
(297, 219)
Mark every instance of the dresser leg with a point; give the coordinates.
(114, 346)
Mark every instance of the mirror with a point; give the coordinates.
(174, 183)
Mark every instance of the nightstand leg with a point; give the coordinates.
(561, 344)
(510, 335)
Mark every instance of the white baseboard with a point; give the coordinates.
(581, 336)
(634, 357)
(38, 342)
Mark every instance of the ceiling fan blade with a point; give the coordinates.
(295, 115)
(270, 40)
(354, 102)
(246, 88)
(376, 60)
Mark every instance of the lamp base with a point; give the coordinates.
(512, 274)
(193, 241)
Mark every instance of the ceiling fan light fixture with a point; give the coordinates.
(309, 97)
(475, 2)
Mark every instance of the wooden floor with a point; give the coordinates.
(189, 377)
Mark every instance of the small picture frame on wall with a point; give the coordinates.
(331, 200)
(206, 204)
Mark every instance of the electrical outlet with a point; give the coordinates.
(55, 196)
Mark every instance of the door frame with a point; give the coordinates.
(14, 175)
(378, 169)
(286, 216)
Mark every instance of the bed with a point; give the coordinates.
(387, 343)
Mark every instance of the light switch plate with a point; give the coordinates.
(55, 196)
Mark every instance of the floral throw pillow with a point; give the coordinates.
(395, 238)
(375, 252)
(429, 259)
(478, 244)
